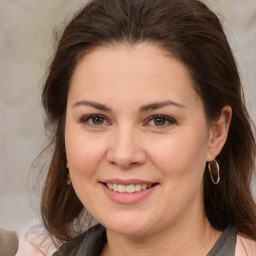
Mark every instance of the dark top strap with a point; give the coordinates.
(90, 243)
(226, 244)
(93, 240)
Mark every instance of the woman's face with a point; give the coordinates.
(137, 139)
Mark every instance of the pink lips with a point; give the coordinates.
(127, 182)
(127, 198)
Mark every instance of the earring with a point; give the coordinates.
(68, 180)
(217, 169)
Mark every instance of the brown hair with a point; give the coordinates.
(193, 34)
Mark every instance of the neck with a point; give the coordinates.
(187, 238)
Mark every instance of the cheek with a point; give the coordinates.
(181, 156)
(83, 154)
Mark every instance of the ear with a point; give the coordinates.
(219, 133)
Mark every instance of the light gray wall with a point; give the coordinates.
(25, 46)
(26, 28)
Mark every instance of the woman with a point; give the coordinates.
(149, 133)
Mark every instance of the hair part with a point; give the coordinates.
(192, 33)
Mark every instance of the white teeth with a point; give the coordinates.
(115, 187)
(144, 186)
(121, 188)
(128, 188)
(138, 187)
(110, 186)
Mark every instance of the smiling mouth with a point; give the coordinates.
(131, 188)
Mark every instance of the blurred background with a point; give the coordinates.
(26, 45)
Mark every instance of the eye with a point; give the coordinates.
(160, 121)
(97, 120)
(94, 120)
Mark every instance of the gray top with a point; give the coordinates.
(226, 244)
(93, 240)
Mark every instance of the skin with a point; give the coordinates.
(128, 143)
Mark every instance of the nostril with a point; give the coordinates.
(124, 164)
(125, 155)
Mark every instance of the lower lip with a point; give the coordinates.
(128, 198)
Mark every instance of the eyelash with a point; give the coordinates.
(169, 120)
(85, 120)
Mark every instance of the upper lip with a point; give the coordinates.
(128, 182)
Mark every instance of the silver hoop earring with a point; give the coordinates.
(68, 180)
(217, 169)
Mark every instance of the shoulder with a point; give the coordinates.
(245, 247)
(72, 246)
(90, 243)
(35, 241)
(8, 242)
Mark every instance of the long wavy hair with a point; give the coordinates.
(192, 33)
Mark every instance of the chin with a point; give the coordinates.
(128, 225)
(134, 231)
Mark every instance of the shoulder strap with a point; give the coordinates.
(89, 243)
(226, 244)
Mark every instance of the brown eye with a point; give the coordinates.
(94, 120)
(97, 120)
(159, 121)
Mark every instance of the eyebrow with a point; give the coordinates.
(92, 104)
(158, 105)
(142, 109)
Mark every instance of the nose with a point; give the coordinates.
(125, 150)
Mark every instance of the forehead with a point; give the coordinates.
(141, 70)
(141, 58)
